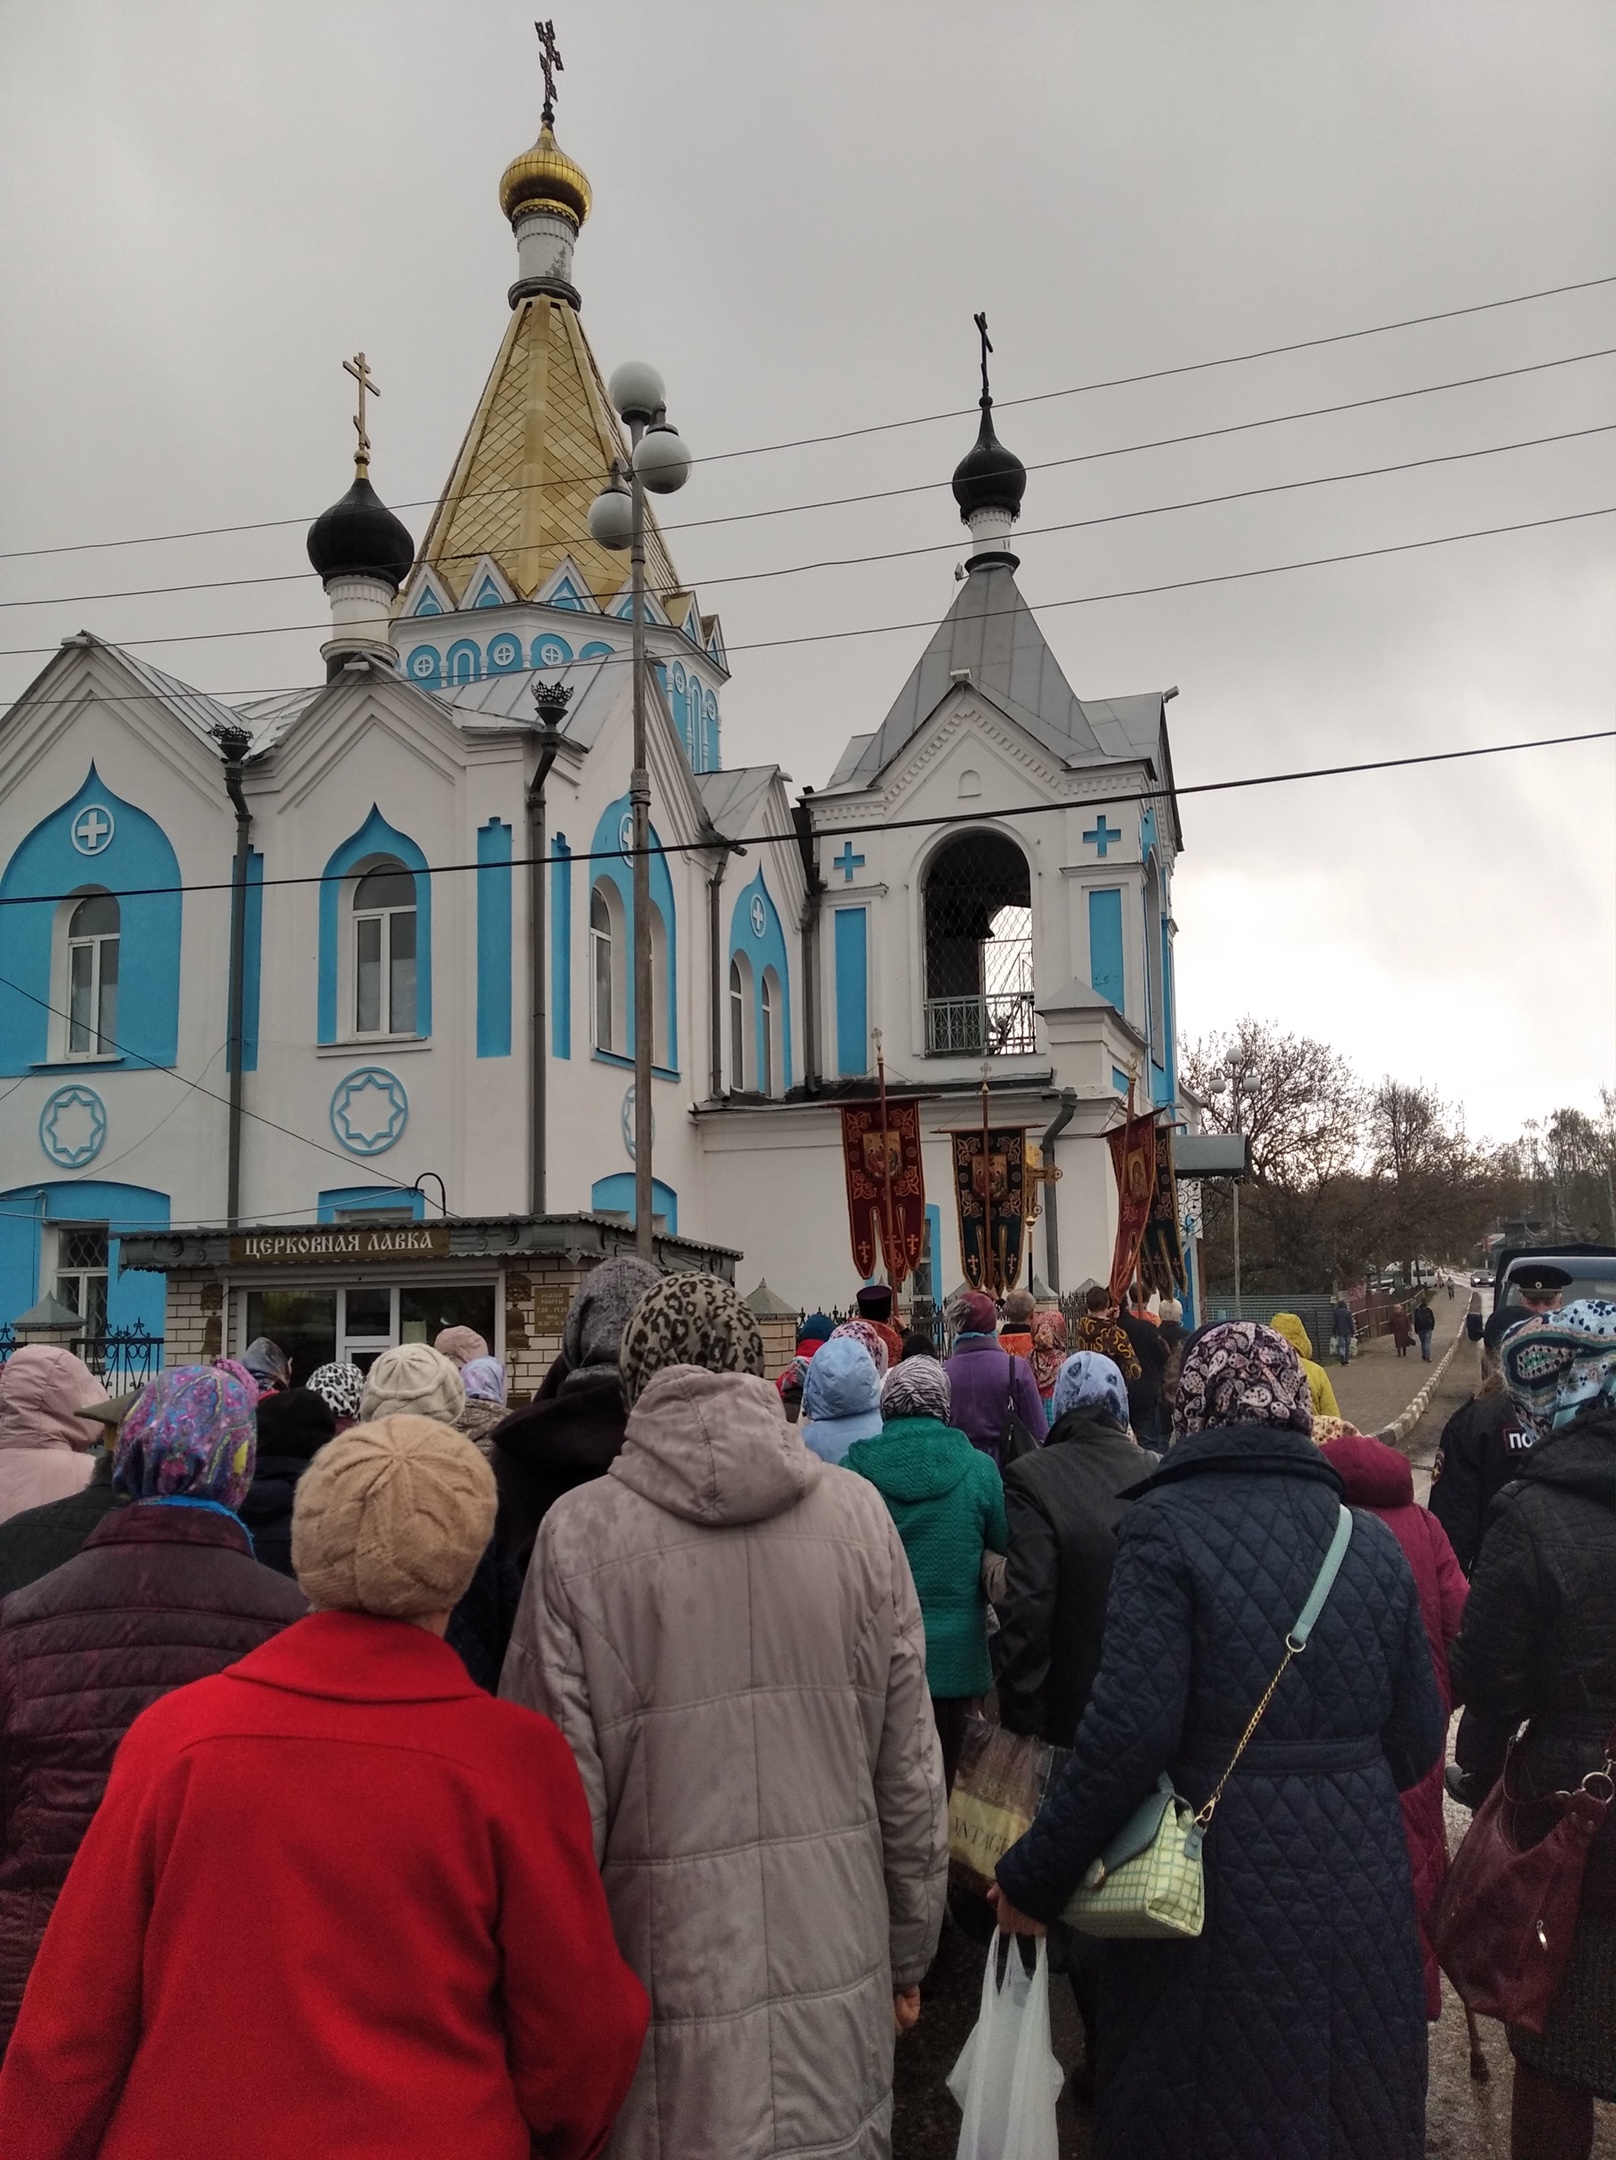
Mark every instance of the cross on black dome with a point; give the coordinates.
(988, 477)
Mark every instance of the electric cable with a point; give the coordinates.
(716, 842)
(1189, 367)
(934, 547)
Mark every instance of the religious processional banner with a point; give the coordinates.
(1161, 1255)
(1133, 1159)
(991, 1235)
(886, 1187)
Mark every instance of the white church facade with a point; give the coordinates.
(436, 1022)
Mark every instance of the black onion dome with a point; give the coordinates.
(989, 477)
(360, 537)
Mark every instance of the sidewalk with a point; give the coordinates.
(1379, 1385)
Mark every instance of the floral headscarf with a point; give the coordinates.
(866, 1332)
(1048, 1350)
(1556, 1367)
(340, 1387)
(1240, 1373)
(192, 1435)
(687, 1319)
(917, 1387)
(1088, 1381)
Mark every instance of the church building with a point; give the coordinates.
(420, 1105)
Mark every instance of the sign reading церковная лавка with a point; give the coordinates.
(405, 1241)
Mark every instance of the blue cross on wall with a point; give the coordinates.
(1101, 836)
(847, 862)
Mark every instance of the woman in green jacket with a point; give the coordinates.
(947, 1500)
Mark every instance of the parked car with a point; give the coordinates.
(1592, 1269)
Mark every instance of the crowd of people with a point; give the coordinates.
(573, 1776)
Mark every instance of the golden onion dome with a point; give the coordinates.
(545, 178)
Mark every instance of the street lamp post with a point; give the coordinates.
(1237, 1083)
(657, 460)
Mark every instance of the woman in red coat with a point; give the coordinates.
(1379, 1478)
(337, 1900)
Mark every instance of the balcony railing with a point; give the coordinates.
(1001, 1025)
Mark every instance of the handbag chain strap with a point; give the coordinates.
(1295, 1644)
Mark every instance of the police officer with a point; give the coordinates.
(1486, 1441)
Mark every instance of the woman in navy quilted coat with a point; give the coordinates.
(1294, 2027)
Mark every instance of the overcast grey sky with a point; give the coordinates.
(797, 210)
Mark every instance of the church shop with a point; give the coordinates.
(350, 1290)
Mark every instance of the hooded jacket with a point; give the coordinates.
(948, 1503)
(569, 1433)
(1063, 1505)
(45, 1451)
(1289, 1325)
(726, 1631)
(1381, 1479)
(841, 1399)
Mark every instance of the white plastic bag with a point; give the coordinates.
(1007, 2078)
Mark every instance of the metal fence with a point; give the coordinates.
(121, 1359)
(1309, 1307)
(1002, 1024)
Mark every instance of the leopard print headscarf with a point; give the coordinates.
(687, 1319)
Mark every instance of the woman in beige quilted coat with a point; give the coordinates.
(726, 1631)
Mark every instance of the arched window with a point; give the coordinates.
(384, 951)
(92, 977)
(770, 1047)
(601, 971)
(978, 910)
(737, 1026)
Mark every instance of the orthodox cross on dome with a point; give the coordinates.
(981, 322)
(359, 368)
(550, 61)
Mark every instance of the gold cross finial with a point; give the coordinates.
(550, 61)
(359, 368)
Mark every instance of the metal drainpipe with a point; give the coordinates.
(551, 705)
(235, 743)
(715, 1031)
(1063, 1117)
(803, 820)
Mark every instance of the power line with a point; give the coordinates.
(830, 637)
(936, 547)
(1189, 367)
(713, 842)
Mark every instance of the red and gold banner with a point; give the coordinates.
(886, 1187)
(1161, 1256)
(991, 1234)
(1133, 1158)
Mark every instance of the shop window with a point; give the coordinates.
(93, 938)
(81, 1273)
(384, 932)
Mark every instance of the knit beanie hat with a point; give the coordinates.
(817, 1328)
(460, 1344)
(342, 1386)
(413, 1380)
(918, 1387)
(592, 1333)
(391, 1518)
(296, 1423)
(688, 1319)
(978, 1315)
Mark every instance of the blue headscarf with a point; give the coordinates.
(1088, 1381)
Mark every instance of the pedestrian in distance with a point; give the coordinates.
(988, 1383)
(947, 1500)
(291, 1429)
(163, 1591)
(841, 1397)
(1424, 1325)
(573, 1428)
(1485, 1443)
(1381, 1479)
(1539, 1644)
(344, 1831)
(1098, 1330)
(1402, 1329)
(1294, 2026)
(726, 1631)
(1475, 1324)
(47, 1443)
(1343, 1330)
(42, 1537)
(1320, 1392)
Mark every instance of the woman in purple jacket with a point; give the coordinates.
(988, 1381)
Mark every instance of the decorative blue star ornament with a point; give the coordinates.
(369, 1110)
(73, 1126)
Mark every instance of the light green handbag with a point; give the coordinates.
(1148, 1881)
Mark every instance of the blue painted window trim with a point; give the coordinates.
(561, 948)
(45, 862)
(251, 971)
(494, 939)
(852, 991)
(1106, 962)
(618, 869)
(340, 1200)
(1119, 1079)
(614, 1195)
(768, 951)
(374, 837)
(27, 1210)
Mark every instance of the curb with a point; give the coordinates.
(1402, 1425)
